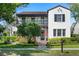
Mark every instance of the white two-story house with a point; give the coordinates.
(55, 23)
(59, 22)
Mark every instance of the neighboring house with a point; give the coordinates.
(75, 28)
(54, 23)
(11, 29)
(72, 28)
(40, 18)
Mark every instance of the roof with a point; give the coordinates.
(59, 6)
(32, 14)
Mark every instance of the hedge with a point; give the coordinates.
(5, 38)
(57, 41)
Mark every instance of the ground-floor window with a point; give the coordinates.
(59, 32)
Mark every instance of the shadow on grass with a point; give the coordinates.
(21, 52)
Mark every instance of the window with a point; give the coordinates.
(42, 38)
(23, 19)
(45, 22)
(59, 17)
(42, 17)
(42, 20)
(59, 32)
(42, 35)
(33, 19)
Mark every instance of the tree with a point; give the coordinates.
(1, 29)
(74, 7)
(8, 9)
(31, 30)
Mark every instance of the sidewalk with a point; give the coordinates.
(38, 48)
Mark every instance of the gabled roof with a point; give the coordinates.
(59, 6)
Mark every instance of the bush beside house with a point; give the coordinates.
(66, 41)
(7, 39)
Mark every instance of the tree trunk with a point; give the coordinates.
(29, 40)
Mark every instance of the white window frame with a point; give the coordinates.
(61, 33)
(61, 17)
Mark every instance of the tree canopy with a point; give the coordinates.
(8, 9)
(30, 30)
(74, 7)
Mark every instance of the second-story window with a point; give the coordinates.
(42, 20)
(23, 20)
(59, 18)
(33, 19)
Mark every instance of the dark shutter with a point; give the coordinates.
(63, 20)
(55, 18)
(54, 32)
(64, 32)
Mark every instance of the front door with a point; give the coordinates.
(42, 35)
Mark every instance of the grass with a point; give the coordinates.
(65, 46)
(34, 46)
(17, 46)
(40, 53)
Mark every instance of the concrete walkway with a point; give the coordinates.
(38, 48)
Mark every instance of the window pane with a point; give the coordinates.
(54, 32)
(59, 17)
(59, 32)
(64, 32)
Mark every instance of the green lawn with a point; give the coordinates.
(40, 53)
(17, 46)
(65, 46)
(34, 46)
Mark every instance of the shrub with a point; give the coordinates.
(76, 36)
(5, 33)
(21, 39)
(57, 41)
(54, 41)
(8, 38)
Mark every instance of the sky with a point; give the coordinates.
(40, 7)
(36, 7)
